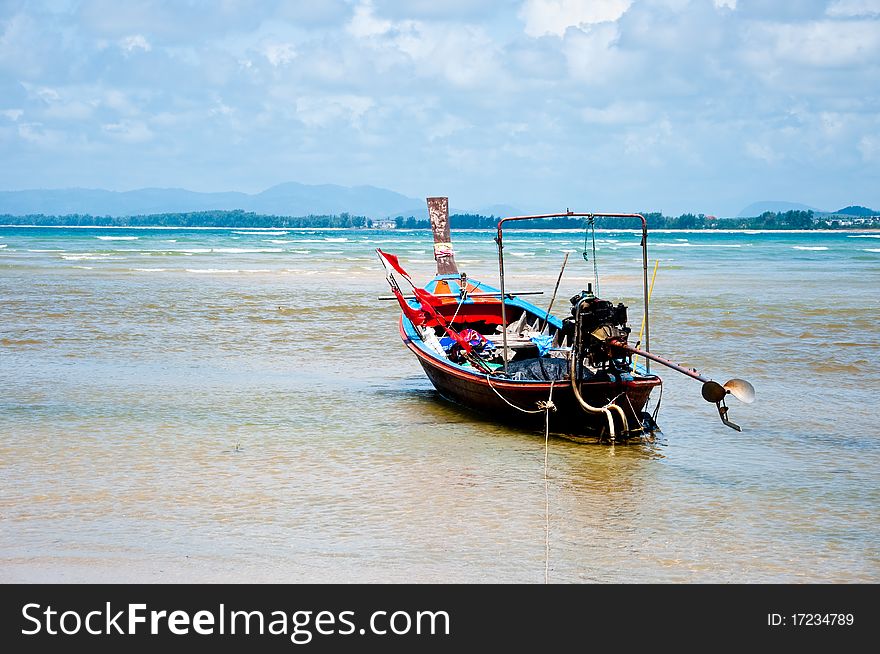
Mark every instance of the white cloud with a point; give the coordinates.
(135, 42)
(128, 131)
(851, 8)
(543, 17)
(364, 23)
(118, 101)
(466, 57)
(280, 54)
(321, 111)
(617, 113)
(820, 44)
(762, 152)
(869, 146)
(590, 54)
(648, 142)
(38, 134)
(709, 88)
(45, 94)
(446, 126)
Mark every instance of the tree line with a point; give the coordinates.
(218, 218)
(238, 218)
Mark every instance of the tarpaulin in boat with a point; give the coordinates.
(538, 369)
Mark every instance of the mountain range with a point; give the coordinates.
(288, 199)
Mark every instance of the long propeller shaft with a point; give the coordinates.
(712, 391)
(653, 357)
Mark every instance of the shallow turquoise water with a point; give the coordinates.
(235, 405)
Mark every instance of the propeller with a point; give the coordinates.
(715, 393)
(741, 390)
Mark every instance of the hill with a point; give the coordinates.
(856, 210)
(774, 206)
(290, 199)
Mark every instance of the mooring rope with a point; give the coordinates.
(542, 406)
(546, 407)
(549, 405)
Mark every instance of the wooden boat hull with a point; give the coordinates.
(508, 400)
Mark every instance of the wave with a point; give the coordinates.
(117, 238)
(47, 250)
(212, 270)
(863, 236)
(336, 240)
(817, 248)
(871, 250)
(4, 245)
(229, 250)
(262, 233)
(691, 245)
(94, 256)
(150, 269)
(279, 242)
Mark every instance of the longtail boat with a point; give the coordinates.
(494, 352)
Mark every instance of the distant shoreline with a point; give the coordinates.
(238, 219)
(663, 230)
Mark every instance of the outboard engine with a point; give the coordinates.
(592, 322)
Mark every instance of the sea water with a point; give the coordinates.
(207, 405)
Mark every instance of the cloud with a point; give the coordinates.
(591, 54)
(322, 111)
(128, 131)
(853, 8)
(818, 44)
(553, 17)
(444, 127)
(762, 152)
(869, 147)
(508, 101)
(41, 136)
(135, 42)
(617, 113)
(364, 22)
(465, 56)
(280, 54)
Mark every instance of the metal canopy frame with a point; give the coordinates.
(569, 214)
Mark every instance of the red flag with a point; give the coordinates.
(391, 260)
(417, 317)
(427, 299)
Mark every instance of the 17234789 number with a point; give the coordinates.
(810, 620)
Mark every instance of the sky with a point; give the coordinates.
(602, 105)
